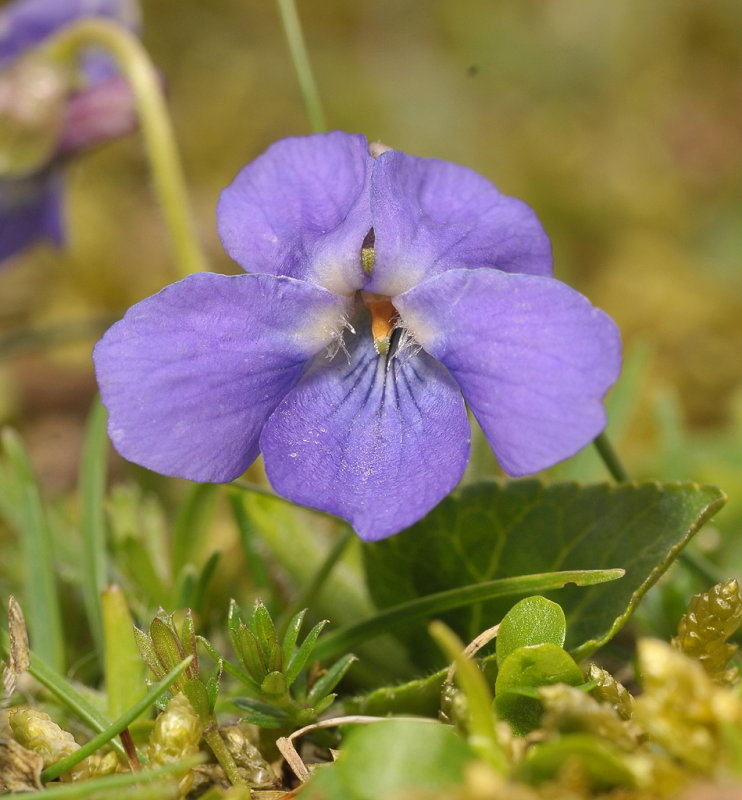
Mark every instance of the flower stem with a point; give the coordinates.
(695, 562)
(295, 38)
(610, 458)
(157, 131)
(214, 739)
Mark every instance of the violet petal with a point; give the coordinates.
(30, 209)
(302, 209)
(25, 23)
(190, 375)
(532, 356)
(431, 216)
(378, 441)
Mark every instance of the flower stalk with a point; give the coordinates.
(157, 131)
(300, 59)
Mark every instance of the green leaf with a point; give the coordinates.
(291, 635)
(262, 714)
(274, 684)
(40, 598)
(301, 656)
(434, 604)
(533, 620)
(123, 665)
(393, 758)
(188, 640)
(198, 697)
(602, 763)
(234, 623)
(491, 530)
(166, 642)
(147, 652)
(249, 653)
(262, 626)
(536, 665)
(330, 679)
(92, 487)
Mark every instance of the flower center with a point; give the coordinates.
(383, 319)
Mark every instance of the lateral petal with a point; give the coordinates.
(376, 440)
(302, 209)
(531, 355)
(431, 216)
(190, 374)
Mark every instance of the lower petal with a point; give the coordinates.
(533, 358)
(377, 440)
(190, 375)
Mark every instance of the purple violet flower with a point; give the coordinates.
(380, 290)
(99, 109)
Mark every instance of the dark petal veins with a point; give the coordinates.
(377, 440)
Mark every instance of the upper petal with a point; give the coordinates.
(190, 375)
(532, 356)
(376, 440)
(302, 209)
(430, 216)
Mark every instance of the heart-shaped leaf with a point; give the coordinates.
(492, 530)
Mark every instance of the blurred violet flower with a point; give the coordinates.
(49, 115)
(379, 291)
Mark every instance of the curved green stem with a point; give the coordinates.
(157, 132)
(309, 93)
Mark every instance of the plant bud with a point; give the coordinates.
(33, 95)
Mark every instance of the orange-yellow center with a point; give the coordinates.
(383, 317)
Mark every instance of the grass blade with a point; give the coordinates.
(113, 784)
(192, 523)
(64, 692)
(92, 487)
(55, 770)
(344, 639)
(41, 599)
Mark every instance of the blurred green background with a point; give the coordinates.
(619, 122)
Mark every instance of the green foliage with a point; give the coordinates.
(488, 530)
(527, 668)
(393, 757)
(31, 521)
(533, 620)
(279, 693)
(531, 656)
